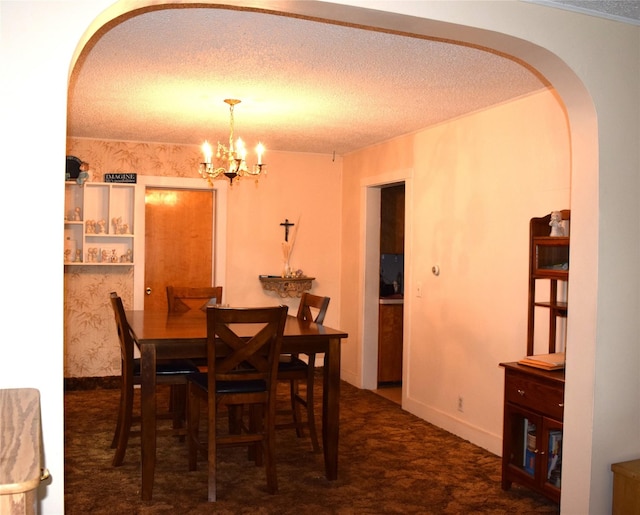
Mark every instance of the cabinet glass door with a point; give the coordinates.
(524, 429)
(552, 457)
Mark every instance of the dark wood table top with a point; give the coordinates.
(158, 326)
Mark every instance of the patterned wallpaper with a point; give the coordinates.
(90, 338)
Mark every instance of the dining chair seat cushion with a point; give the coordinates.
(227, 387)
(169, 367)
(289, 363)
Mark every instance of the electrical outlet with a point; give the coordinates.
(460, 403)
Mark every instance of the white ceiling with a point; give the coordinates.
(305, 86)
(625, 11)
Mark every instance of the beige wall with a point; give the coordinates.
(476, 182)
(594, 65)
(305, 188)
(90, 339)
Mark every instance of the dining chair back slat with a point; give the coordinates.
(181, 299)
(308, 301)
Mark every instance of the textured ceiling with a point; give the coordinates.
(626, 11)
(162, 76)
(305, 86)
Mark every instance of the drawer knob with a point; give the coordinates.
(561, 405)
(521, 392)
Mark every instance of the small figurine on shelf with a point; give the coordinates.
(104, 256)
(77, 214)
(101, 226)
(90, 227)
(84, 173)
(556, 224)
(67, 255)
(114, 256)
(127, 257)
(117, 224)
(92, 255)
(78, 258)
(125, 229)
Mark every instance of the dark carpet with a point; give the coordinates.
(390, 462)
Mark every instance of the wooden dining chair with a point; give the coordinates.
(294, 370)
(185, 298)
(170, 372)
(241, 373)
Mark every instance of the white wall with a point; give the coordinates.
(475, 184)
(306, 189)
(475, 189)
(39, 40)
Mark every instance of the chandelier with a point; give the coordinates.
(230, 161)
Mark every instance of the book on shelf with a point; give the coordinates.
(530, 465)
(554, 469)
(554, 361)
(529, 455)
(525, 432)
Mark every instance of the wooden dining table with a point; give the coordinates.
(163, 335)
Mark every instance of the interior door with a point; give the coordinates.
(178, 241)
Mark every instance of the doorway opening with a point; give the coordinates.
(386, 224)
(391, 291)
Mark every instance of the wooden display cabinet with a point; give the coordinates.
(534, 398)
(548, 263)
(532, 430)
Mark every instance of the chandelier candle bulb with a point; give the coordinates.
(240, 149)
(207, 151)
(260, 151)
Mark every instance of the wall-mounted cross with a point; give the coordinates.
(286, 224)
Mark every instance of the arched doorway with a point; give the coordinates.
(580, 109)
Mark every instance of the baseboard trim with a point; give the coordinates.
(91, 383)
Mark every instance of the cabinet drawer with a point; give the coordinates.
(529, 393)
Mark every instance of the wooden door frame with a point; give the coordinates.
(219, 241)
